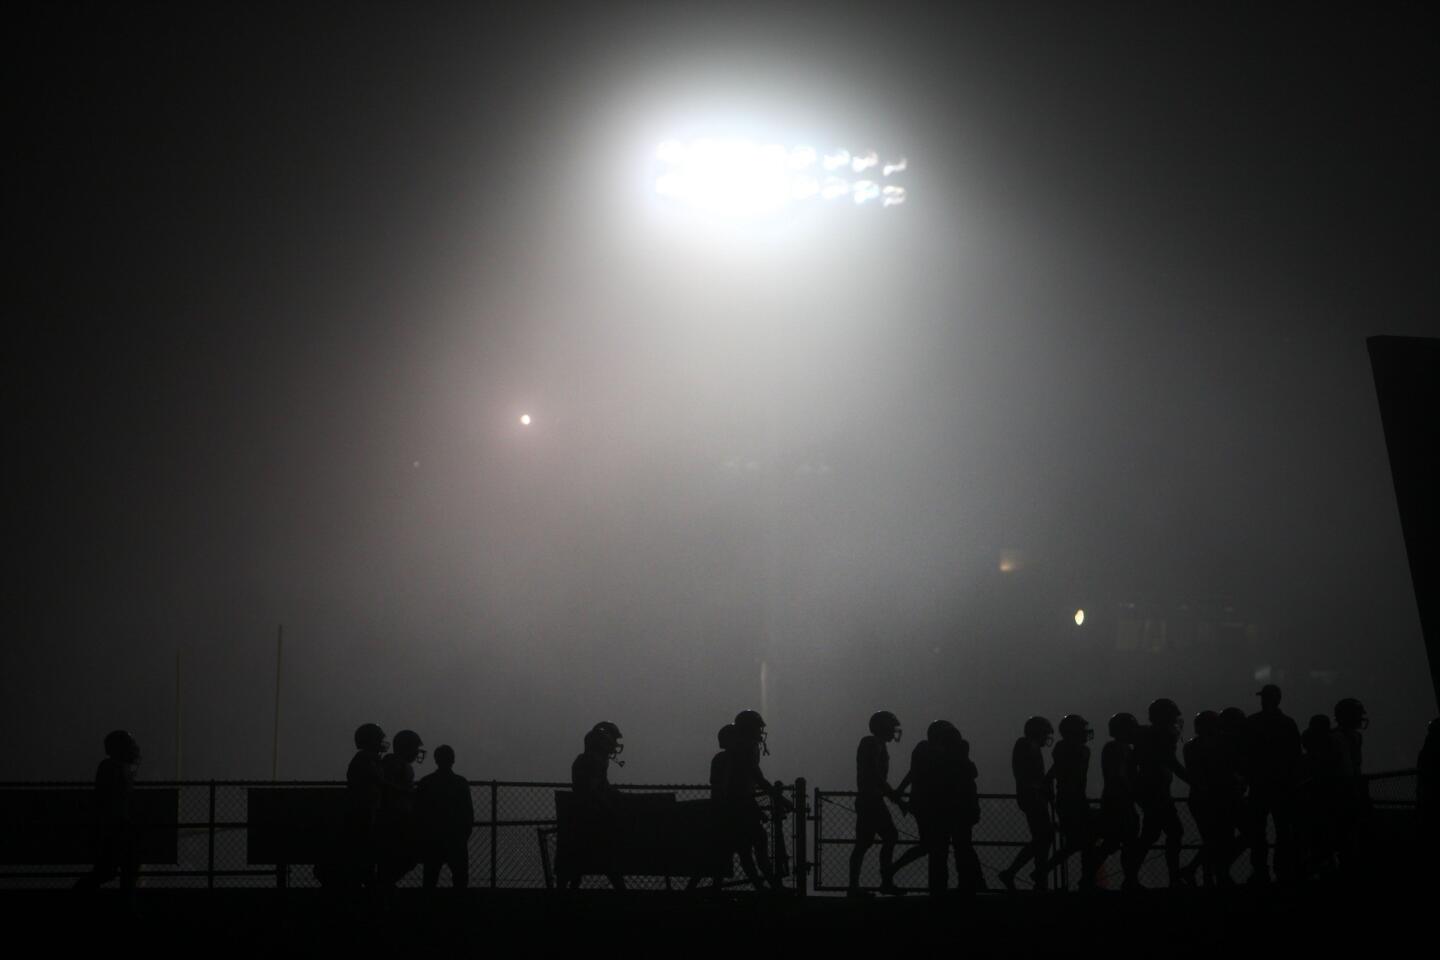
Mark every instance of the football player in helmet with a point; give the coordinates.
(872, 817)
(1070, 772)
(1206, 762)
(1156, 767)
(596, 801)
(1033, 796)
(364, 786)
(1119, 822)
(394, 833)
(745, 780)
(1353, 795)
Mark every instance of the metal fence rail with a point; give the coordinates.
(512, 843)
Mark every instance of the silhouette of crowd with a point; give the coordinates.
(1297, 803)
(1251, 777)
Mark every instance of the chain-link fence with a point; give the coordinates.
(242, 833)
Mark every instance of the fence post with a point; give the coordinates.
(802, 862)
(494, 827)
(210, 842)
(777, 829)
(819, 837)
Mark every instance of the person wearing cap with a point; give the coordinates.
(1271, 760)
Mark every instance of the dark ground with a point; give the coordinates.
(1317, 920)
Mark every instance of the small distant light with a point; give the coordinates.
(863, 190)
(1079, 617)
(524, 419)
(898, 166)
(1263, 673)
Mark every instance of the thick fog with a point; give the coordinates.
(292, 280)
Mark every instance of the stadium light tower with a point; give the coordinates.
(752, 184)
(742, 178)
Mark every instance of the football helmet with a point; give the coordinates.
(750, 728)
(606, 738)
(1123, 726)
(1350, 715)
(1038, 728)
(1075, 727)
(369, 736)
(409, 747)
(885, 725)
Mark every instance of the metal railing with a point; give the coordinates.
(206, 836)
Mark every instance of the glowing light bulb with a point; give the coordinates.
(736, 177)
(802, 158)
(1079, 617)
(524, 419)
(864, 190)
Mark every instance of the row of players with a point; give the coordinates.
(1243, 772)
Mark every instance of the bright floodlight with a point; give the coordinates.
(1079, 617)
(524, 419)
(737, 177)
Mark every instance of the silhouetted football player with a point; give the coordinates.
(1033, 796)
(1353, 792)
(395, 824)
(872, 817)
(744, 780)
(364, 786)
(596, 804)
(1070, 772)
(1156, 767)
(1119, 821)
(1207, 763)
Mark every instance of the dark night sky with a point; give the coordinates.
(286, 279)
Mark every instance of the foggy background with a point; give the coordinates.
(289, 278)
